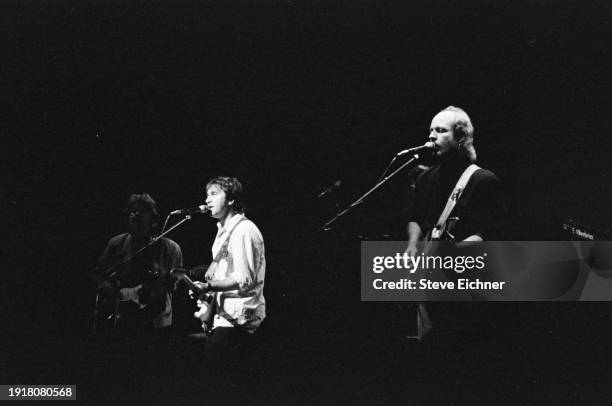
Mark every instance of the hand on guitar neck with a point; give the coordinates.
(205, 299)
(200, 289)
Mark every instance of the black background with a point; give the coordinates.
(101, 99)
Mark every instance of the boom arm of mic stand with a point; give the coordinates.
(187, 218)
(362, 198)
(108, 272)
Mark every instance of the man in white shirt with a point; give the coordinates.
(236, 277)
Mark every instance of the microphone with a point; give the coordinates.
(194, 210)
(417, 150)
(330, 189)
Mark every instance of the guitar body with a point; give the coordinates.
(437, 243)
(130, 308)
(114, 315)
(205, 300)
(105, 313)
(434, 237)
(443, 232)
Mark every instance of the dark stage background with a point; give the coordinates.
(104, 99)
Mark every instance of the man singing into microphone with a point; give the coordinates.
(480, 210)
(236, 276)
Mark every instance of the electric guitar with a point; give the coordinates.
(130, 307)
(436, 235)
(436, 242)
(443, 232)
(205, 300)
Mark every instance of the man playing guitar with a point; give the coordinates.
(235, 278)
(477, 210)
(133, 275)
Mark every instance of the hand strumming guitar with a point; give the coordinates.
(201, 293)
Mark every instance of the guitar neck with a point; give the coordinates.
(190, 283)
(181, 274)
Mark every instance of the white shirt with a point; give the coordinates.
(244, 307)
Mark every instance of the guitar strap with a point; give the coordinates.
(222, 253)
(223, 250)
(436, 232)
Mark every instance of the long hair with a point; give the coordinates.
(463, 131)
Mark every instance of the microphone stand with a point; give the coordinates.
(111, 271)
(325, 227)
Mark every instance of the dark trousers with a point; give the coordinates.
(229, 345)
(228, 362)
